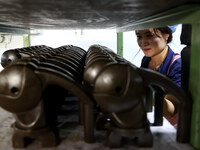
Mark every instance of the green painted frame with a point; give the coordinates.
(187, 14)
(26, 40)
(120, 43)
(194, 85)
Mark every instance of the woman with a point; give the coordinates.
(160, 57)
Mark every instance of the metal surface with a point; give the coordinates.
(89, 14)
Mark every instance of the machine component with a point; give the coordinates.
(113, 93)
(121, 91)
(123, 110)
(13, 55)
(24, 91)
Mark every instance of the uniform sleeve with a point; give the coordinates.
(142, 62)
(175, 72)
(145, 62)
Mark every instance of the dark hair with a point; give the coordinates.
(165, 30)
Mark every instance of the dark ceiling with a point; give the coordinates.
(90, 14)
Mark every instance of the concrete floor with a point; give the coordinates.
(164, 138)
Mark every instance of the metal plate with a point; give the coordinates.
(82, 14)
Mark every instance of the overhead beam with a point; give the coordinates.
(14, 30)
(186, 14)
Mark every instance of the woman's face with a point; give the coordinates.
(150, 42)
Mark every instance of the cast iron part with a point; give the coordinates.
(121, 91)
(123, 99)
(115, 105)
(13, 55)
(119, 88)
(23, 84)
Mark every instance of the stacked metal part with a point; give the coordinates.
(107, 76)
(30, 78)
(33, 75)
(13, 55)
(120, 90)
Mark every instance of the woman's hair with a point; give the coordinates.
(165, 30)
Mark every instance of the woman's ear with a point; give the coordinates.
(166, 36)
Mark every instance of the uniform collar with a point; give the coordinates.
(164, 66)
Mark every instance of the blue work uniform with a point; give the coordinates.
(170, 67)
